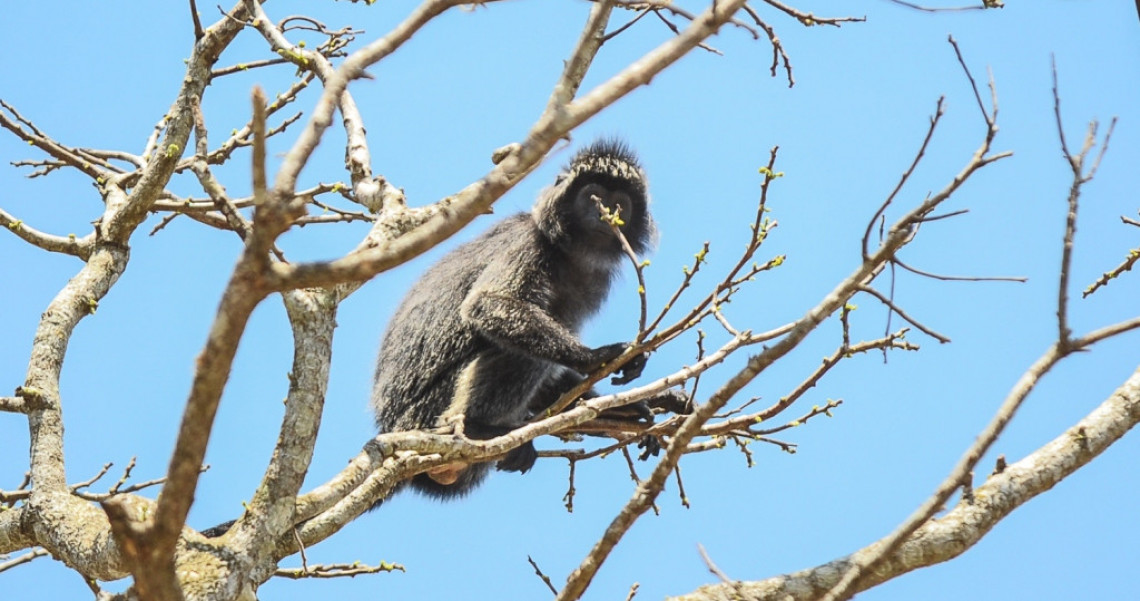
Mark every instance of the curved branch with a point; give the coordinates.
(79, 247)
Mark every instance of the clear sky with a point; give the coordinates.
(102, 74)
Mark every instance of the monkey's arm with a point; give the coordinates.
(523, 326)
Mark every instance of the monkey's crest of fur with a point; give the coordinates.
(610, 158)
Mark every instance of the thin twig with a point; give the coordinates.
(912, 321)
(336, 570)
(960, 278)
(25, 558)
(944, 10)
(613, 218)
(811, 20)
(84, 484)
(1108, 276)
(544, 577)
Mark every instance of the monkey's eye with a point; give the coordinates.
(621, 204)
(591, 195)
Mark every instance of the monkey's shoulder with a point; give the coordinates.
(505, 240)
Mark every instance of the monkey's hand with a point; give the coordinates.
(601, 356)
(519, 459)
(604, 354)
(631, 370)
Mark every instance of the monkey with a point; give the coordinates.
(490, 332)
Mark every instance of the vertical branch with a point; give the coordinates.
(312, 316)
(78, 299)
(1063, 332)
(1077, 165)
(198, 32)
(154, 543)
(258, 151)
(352, 68)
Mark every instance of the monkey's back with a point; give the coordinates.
(427, 342)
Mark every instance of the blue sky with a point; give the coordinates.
(101, 74)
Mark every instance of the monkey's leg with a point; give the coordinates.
(495, 391)
(564, 379)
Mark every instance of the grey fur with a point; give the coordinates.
(491, 330)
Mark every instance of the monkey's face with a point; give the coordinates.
(602, 188)
(596, 209)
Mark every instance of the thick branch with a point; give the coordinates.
(243, 293)
(312, 315)
(78, 299)
(122, 218)
(945, 538)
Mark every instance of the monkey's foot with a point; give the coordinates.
(519, 460)
(650, 445)
(636, 412)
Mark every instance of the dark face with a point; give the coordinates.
(588, 216)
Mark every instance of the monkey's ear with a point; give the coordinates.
(548, 213)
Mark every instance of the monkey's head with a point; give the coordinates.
(605, 172)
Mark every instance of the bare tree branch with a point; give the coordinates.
(987, 4)
(131, 535)
(593, 35)
(959, 529)
(477, 197)
(25, 558)
(79, 247)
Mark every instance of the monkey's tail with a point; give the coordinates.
(468, 481)
(218, 530)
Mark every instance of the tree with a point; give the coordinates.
(857, 242)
